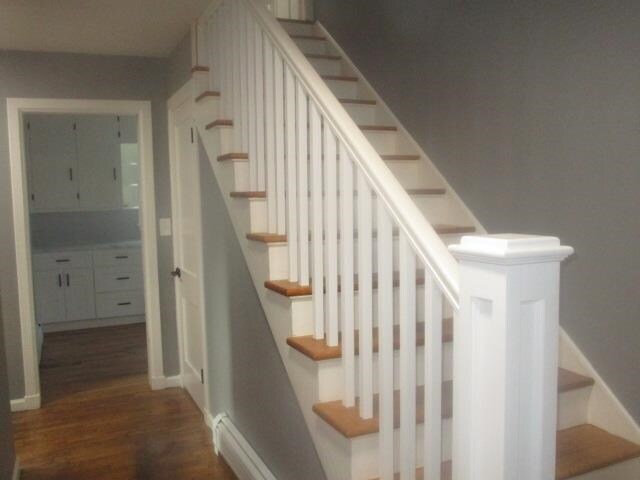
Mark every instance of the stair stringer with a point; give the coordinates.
(285, 317)
(604, 408)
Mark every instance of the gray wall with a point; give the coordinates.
(530, 110)
(180, 64)
(60, 229)
(249, 381)
(7, 453)
(41, 75)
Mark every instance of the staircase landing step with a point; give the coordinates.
(318, 350)
(347, 420)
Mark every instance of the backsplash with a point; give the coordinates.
(64, 229)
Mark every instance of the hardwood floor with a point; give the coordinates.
(100, 420)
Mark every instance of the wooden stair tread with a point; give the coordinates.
(357, 101)
(391, 157)
(249, 194)
(378, 128)
(294, 20)
(341, 78)
(293, 289)
(347, 420)
(569, 380)
(318, 350)
(199, 68)
(233, 156)
(207, 94)
(410, 191)
(221, 122)
(441, 229)
(320, 38)
(323, 56)
(586, 448)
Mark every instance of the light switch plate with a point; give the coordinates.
(165, 227)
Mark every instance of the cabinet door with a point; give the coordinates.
(49, 296)
(79, 294)
(52, 162)
(98, 162)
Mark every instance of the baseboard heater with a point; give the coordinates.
(237, 452)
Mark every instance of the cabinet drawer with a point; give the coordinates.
(127, 258)
(119, 304)
(117, 280)
(61, 260)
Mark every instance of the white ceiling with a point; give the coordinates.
(150, 28)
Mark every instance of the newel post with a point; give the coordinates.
(506, 357)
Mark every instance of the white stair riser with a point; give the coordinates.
(327, 67)
(202, 82)
(331, 381)
(295, 28)
(313, 46)
(364, 114)
(628, 470)
(343, 89)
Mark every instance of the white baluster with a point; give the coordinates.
(317, 243)
(292, 178)
(302, 150)
(226, 46)
(407, 266)
(365, 296)
(385, 341)
(346, 276)
(278, 71)
(249, 100)
(236, 84)
(331, 234)
(269, 125)
(259, 105)
(432, 379)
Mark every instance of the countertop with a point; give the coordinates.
(93, 246)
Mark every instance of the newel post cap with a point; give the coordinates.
(510, 249)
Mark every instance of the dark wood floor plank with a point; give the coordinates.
(101, 421)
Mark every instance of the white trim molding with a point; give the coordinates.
(16, 469)
(31, 402)
(236, 450)
(16, 107)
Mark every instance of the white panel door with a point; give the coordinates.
(79, 294)
(98, 162)
(48, 289)
(51, 159)
(187, 235)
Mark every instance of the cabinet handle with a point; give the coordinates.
(115, 177)
(62, 260)
(59, 280)
(123, 278)
(68, 280)
(124, 303)
(120, 257)
(71, 174)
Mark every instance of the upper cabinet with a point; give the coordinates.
(82, 162)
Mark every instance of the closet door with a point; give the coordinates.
(51, 159)
(98, 162)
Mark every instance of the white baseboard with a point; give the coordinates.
(605, 410)
(160, 383)
(16, 470)
(29, 402)
(92, 323)
(236, 450)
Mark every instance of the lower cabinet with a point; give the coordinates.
(87, 285)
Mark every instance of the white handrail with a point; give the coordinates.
(425, 241)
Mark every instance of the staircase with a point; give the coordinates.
(345, 223)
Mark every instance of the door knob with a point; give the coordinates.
(176, 273)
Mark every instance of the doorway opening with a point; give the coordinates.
(86, 248)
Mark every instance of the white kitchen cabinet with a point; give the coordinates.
(98, 150)
(79, 294)
(82, 162)
(49, 296)
(51, 151)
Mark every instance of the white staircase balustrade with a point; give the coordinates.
(352, 230)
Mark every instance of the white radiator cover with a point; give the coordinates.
(237, 451)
